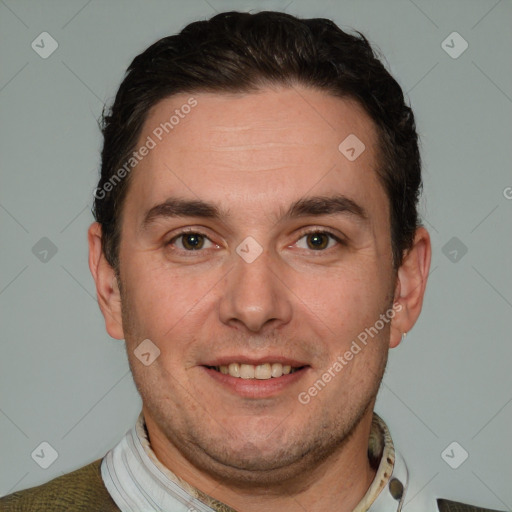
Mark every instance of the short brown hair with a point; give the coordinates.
(243, 52)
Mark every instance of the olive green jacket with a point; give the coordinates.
(83, 491)
(79, 491)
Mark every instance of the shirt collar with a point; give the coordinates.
(139, 482)
(387, 491)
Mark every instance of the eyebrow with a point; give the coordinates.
(326, 205)
(176, 207)
(304, 207)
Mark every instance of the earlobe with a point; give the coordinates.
(107, 289)
(411, 284)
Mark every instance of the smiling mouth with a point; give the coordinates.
(260, 372)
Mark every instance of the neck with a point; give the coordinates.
(338, 482)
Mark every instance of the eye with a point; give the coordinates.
(318, 240)
(191, 241)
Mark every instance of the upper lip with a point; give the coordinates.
(255, 361)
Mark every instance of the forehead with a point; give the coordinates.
(270, 147)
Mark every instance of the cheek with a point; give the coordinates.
(155, 288)
(346, 297)
(347, 308)
(164, 304)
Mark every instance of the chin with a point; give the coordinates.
(254, 468)
(261, 459)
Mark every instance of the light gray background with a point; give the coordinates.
(64, 381)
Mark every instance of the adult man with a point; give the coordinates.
(257, 246)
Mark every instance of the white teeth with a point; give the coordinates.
(277, 370)
(261, 372)
(247, 371)
(234, 370)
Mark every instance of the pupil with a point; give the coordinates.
(193, 241)
(318, 241)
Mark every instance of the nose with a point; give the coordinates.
(254, 297)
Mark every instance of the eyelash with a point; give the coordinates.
(302, 235)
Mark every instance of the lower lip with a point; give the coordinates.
(256, 388)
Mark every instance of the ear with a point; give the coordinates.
(107, 289)
(410, 286)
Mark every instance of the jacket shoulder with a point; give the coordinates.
(80, 491)
(454, 506)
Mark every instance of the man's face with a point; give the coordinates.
(201, 291)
